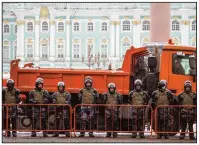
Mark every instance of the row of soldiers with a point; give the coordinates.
(89, 95)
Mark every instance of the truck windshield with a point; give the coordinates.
(180, 64)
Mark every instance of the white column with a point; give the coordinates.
(184, 29)
(52, 39)
(117, 39)
(20, 38)
(37, 23)
(68, 22)
(112, 38)
(136, 31)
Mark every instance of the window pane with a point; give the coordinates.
(180, 65)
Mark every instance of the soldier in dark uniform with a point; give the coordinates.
(88, 95)
(138, 97)
(162, 96)
(39, 96)
(187, 114)
(114, 98)
(62, 97)
(10, 95)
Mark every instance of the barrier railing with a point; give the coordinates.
(48, 118)
(111, 118)
(182, 115)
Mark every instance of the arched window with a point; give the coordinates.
(76, 48)
(44, 26)
(76, 26)
(104, 26)
(29, 46)
(45, 51)
(90, 47)
(61, 26)
(15, 28)
(194, 41)
(175, 25)
(176, 41)
(126, 43)
(6, 28)
(60, 48)
(6, 46)
(126, 26)
(29, 26)
(145, 25)
(193, 26)
(90, 26)
(104, 48)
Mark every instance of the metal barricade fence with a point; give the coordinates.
(111, 118)
(169, 116)
(37, 117)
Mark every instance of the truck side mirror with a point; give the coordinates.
(192, 62)
(193, 72)
(152, 62)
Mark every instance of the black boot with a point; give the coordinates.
(8, 134)
(142, 135)
(115, 134)
(82, 134)
(159, 136)
(45, 134)
(91, 134)
(56, 134)
(166, 136)
(134, 135)
(33, 134)
(192, 137)
(67, 134)
(182, 136)
(14, 134)
(108, 134)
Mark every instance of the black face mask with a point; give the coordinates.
(188, 89)
(112, 92)
(10, 86)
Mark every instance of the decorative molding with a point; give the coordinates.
(185, 22)
(90, 40)
(126, 17)
(90, 20)
(68, 21)
(20, 22)
(37, 22)
(75, 19)
(117, 22)
(75, 40)
(136, 22)
(52, 22)
(104, 40)
(194, 18)
(60, 40)
(44, 12)
(146, 17)
(126, 40)
(29, 40)
(5, 21)
(176, 17)
(44, 41)
(6, 42)
(60, 19)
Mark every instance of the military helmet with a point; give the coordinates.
(39, 81)
(10, 83)
(138, 82)
(162, 84)
(88, 79)
(61, 84)
(111, 85)
(187, 84)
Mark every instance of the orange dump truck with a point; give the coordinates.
(123, 78)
